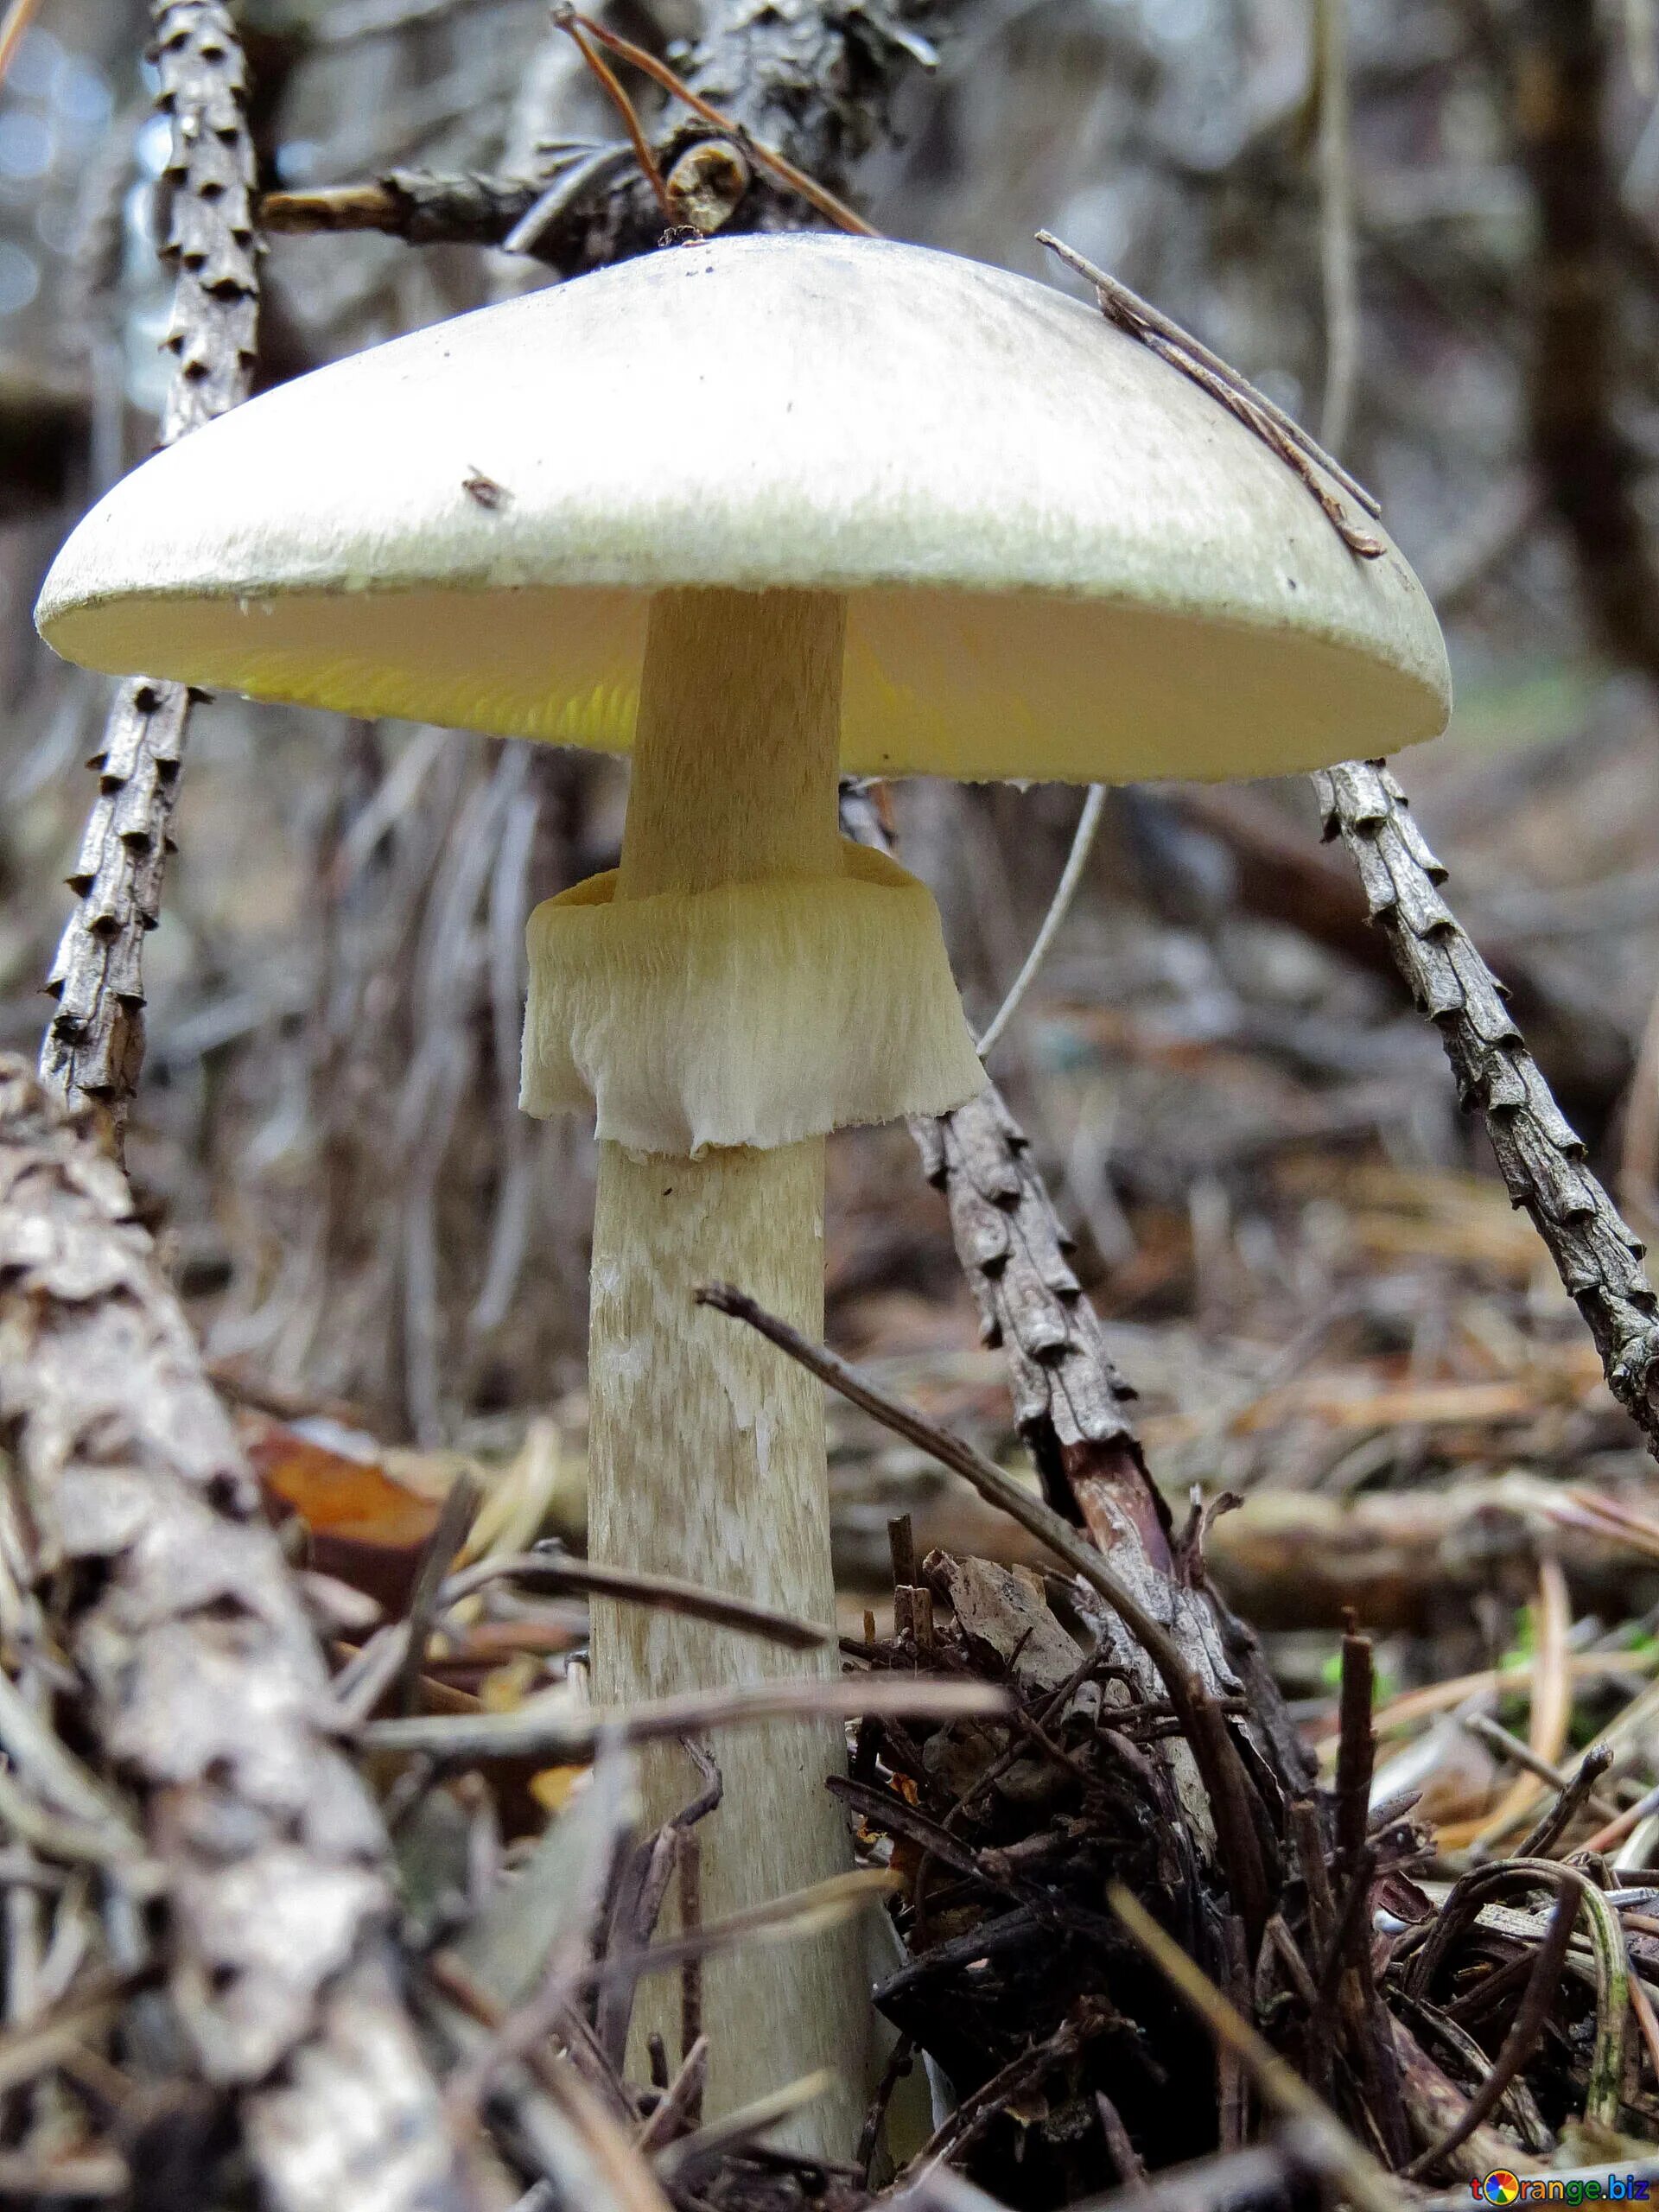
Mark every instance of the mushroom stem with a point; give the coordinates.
(707, 1451)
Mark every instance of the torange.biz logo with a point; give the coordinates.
(1503, 2187)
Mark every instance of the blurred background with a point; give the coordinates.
(1301, 1251)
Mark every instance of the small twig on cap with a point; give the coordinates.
(1065, 891)
(815, 195)
(1299, 453)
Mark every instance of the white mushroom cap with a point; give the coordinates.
(1063, 558)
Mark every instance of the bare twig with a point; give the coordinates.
(801, 1912)
(94, 1044)
(455, 1519)
(976, 2110)
(587, 37)
(412, 204)
(1538, 1152)
(1224, 1776)
(1071, 1403)
(1518, 2046)
(1578, 1791)
(746, 2125)
(1509, 1747)
(553, 1728)
(782, 105)
(1356, 1747)
(559, 1571)
(1083, 842)
(818, 197)
(681, 2104)
(1322, 2139)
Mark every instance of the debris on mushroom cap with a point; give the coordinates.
(756, 1013)
(1063, 558)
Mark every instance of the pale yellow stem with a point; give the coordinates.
(708, 1445)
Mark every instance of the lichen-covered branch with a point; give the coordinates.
(95, 1042)
(137, 1523)
(1538, 1152)
(813, 83)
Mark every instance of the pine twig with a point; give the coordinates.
(94, 1044)
(1280, 434)
(1539, 1154)
(205, 1688)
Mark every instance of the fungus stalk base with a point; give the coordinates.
(706, 1454)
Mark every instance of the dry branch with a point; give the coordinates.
(136, 1546)
(1184, 1662)
(94, 1044)
(814, 84)
(1283, 875)
(1539, 1154)
(413, 204)
(1071, 1403)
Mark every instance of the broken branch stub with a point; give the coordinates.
(137, 1524)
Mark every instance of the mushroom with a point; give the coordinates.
(760, 509)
